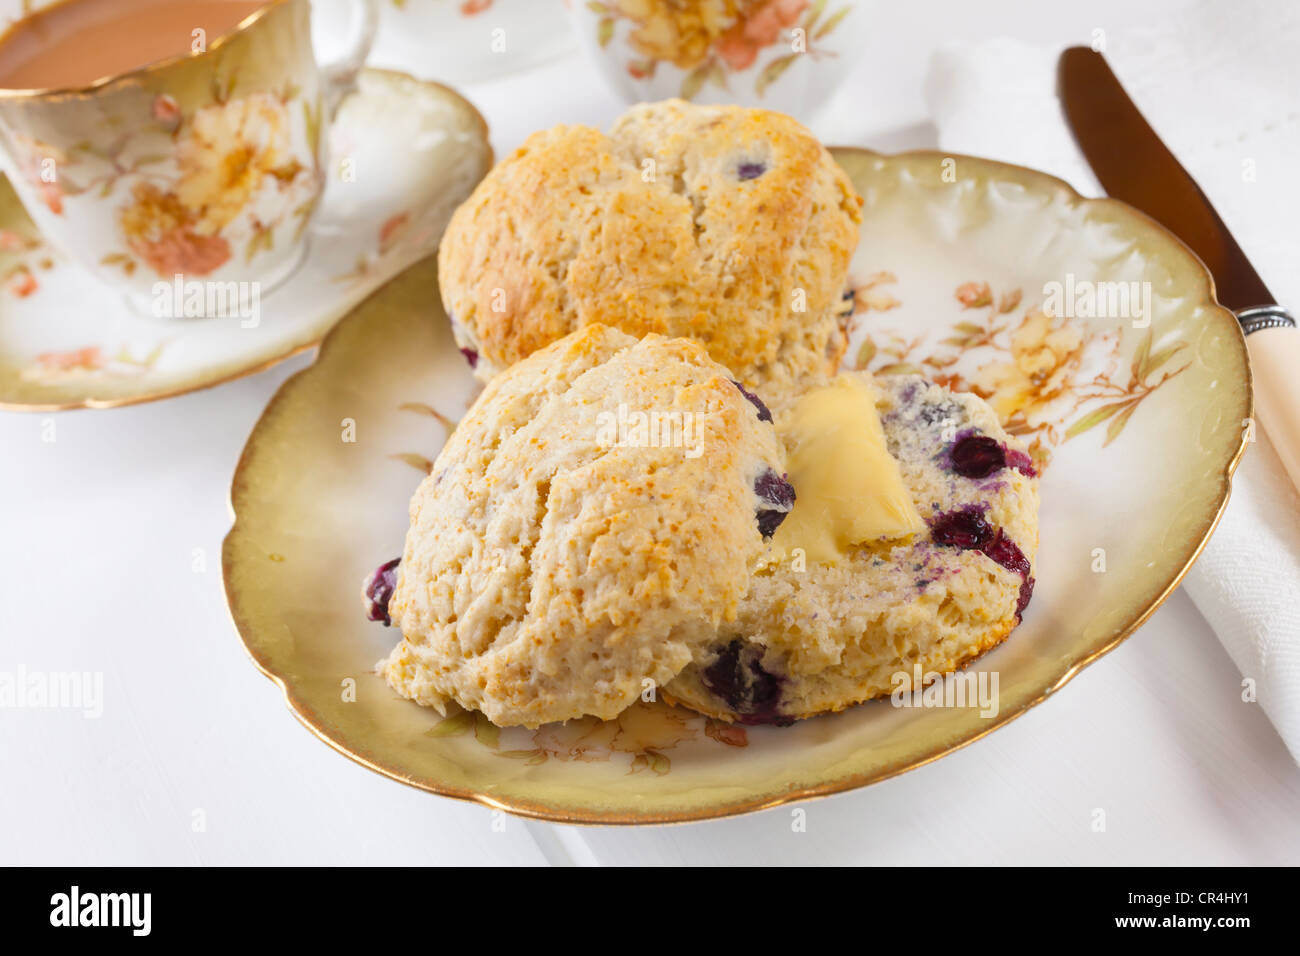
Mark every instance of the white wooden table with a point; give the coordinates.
(110, 562)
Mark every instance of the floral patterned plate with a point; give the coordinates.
(975, 272)
(404, 154)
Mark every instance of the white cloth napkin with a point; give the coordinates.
(1221, 86)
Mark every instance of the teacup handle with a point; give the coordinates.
(340, 76)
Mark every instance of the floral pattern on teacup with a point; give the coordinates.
(197, 166)
(712, 40)
(228, 156)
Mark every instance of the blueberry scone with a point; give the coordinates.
(730, 226)
(587, 528)
(911, 544)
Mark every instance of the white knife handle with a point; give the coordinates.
(1274, 345)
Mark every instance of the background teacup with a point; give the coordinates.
(207, 165)
(786, 55)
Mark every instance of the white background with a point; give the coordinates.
(99, 532)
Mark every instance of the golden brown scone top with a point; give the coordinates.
(552, 567)
(731, 226)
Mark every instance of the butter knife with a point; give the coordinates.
(1133, 165)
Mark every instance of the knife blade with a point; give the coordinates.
(1133, 165)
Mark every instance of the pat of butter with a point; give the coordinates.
(848, 488)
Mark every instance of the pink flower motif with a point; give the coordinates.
(740, 44)
(471, 7)
(51, 195)
(10, 241)
(87, 358)
(766, 23)
(392, 230)
(162, 231)
(21, 284)
(166, 110)
(974, 295)
(182, 251)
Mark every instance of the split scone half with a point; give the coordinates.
(727, 225)
(917, 562)
(587, 528)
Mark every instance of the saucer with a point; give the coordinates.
(404, 153)
(1135, 416)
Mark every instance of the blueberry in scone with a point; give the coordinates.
(878, 569)
(565, 549)
(378, 591)
(730, 226)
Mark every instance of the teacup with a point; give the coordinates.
(785, 55)
(206, 166)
